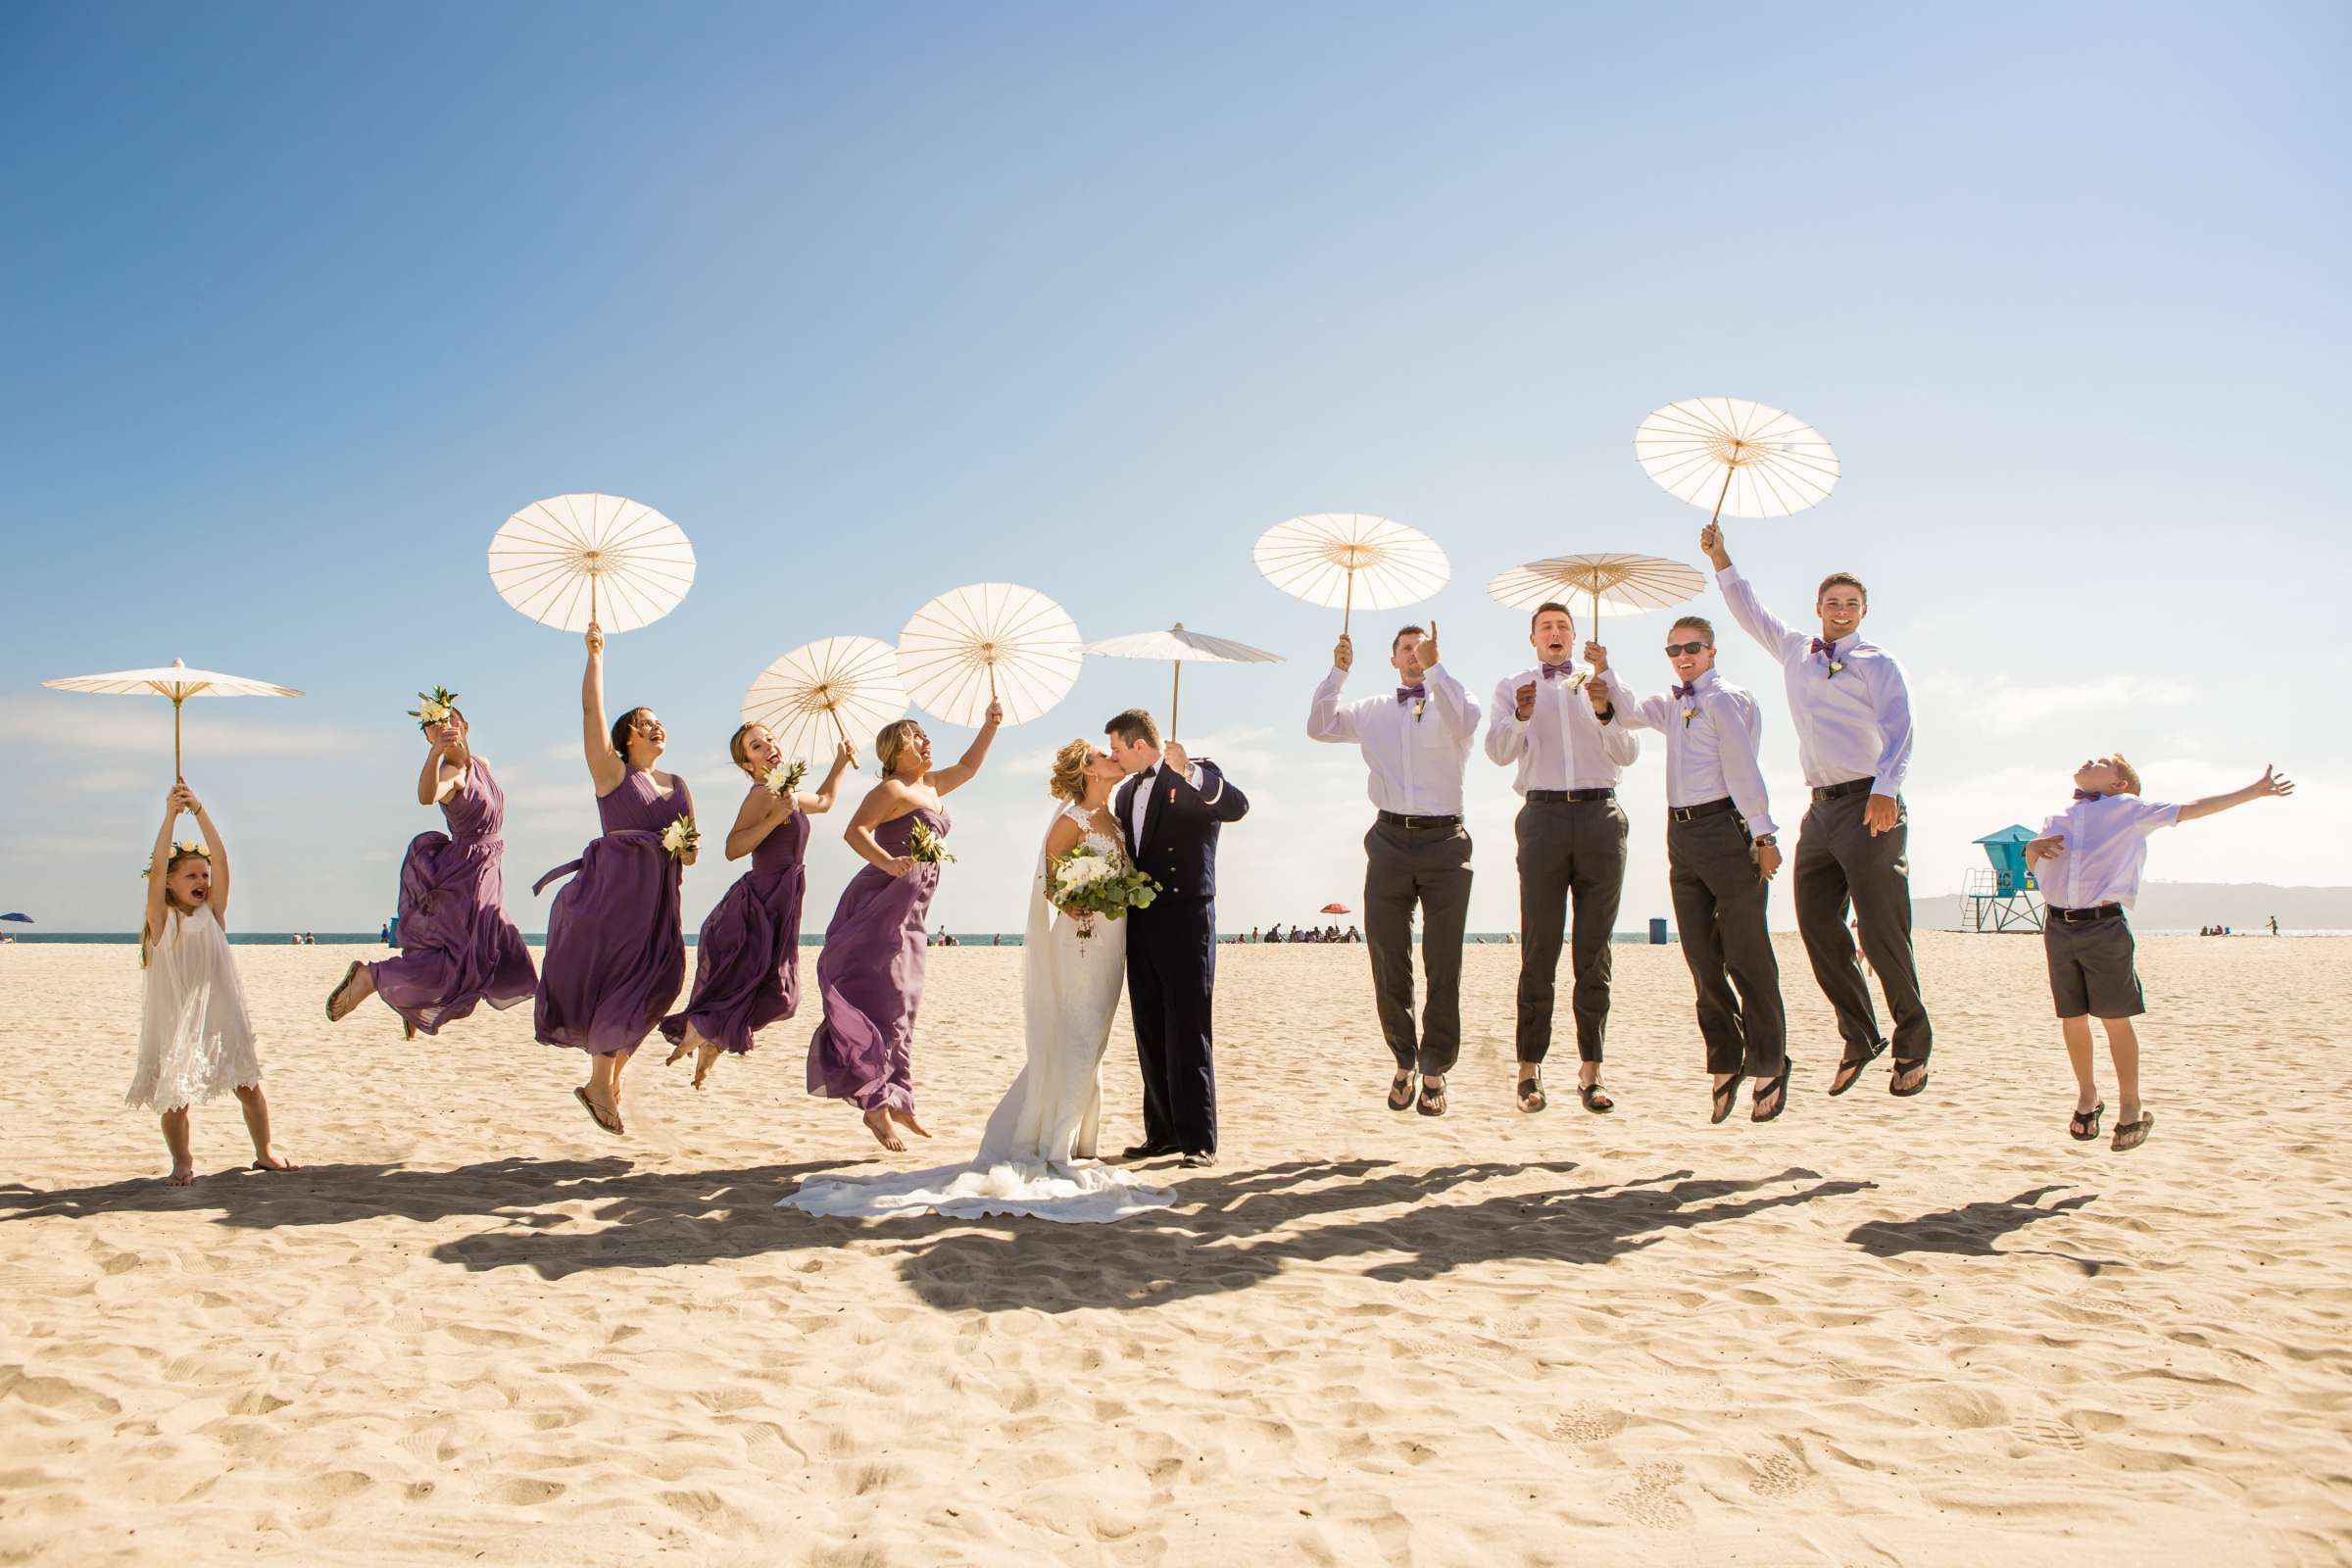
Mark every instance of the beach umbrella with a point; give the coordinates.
(27, 918)
(989, 642)
(1176, 646)
(827, 690)
(179, 683)
(1610, 584)
(1340, 559)
(1335, 909)
(570, 559)
(1742, 458)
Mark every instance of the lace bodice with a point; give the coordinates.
(1108, 845)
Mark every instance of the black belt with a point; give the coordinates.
(1571, 795)
(1852, 786)
(1399, 819)
(2104, 912)
(1685, 813)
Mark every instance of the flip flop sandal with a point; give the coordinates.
(1588, 1093)
(1850, 1072)
(1531, 1089)
(1772, 1085)
(336, 994)
(2130, 1135)
(2084, 1127)
(1901, 1067)
(595, 1116)
(1432, 1102)
(1725, 1099)
(274, 1170)
(1401, 1092)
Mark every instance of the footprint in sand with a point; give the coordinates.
(2050, 1433)
(1588, 1423)
(1778, 1475)
(1652, 1501)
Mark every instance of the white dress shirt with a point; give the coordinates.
(1855, 723)
(1143, 794)
(1415, 762)
(2106, 847)
(1712, 737)
(1562, 744)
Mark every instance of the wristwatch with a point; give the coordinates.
(1769, 841)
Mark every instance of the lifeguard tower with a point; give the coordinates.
(2003, 897)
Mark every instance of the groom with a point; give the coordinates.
(1170, 809)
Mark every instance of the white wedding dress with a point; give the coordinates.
(1037, 1157)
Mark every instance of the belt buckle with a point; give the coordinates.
(1679, 813)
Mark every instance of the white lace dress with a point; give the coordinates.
(1037, 1157)
(195, 1039)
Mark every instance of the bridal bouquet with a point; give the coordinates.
(783, 778)
(681, 838)
(433, 707)
(924, 846)
(1085, 883)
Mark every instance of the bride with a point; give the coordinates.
(1037, 1157)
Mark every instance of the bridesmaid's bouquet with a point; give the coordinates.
(1086, 884)
(681, 838)
(433, 707)
(924, 846)
(784, 778)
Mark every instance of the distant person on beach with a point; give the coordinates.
(2274, 925)
(461, 949)
(1720, 854)
(195, 1036)
(747, 958)
(2088, 861)
(1553, 726)
(1851, 703)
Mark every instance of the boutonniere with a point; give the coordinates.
(1420, 706)
(1837, 668)
(1576, 681)
(1689, 713)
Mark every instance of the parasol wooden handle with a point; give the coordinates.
(1348, 613)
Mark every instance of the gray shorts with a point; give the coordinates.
(2090, 968)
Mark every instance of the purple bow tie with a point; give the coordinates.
(1681, 692)
(1412, 694)
(1556, 671)
(2088, 795)
(1828, 650)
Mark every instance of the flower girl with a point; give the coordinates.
(194, 1037)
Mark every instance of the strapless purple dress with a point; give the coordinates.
(870, 977)
(456, 946)
(746, 962)
(616, 941)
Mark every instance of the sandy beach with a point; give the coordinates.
(1874, 1332)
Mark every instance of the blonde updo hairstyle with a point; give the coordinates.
(1068, 779)
(891, 739)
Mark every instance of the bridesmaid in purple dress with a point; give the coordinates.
(870, 977)
(616, 942)
(747, 963)
(456, 946)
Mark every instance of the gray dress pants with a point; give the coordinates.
(1719, 904)
(1429, 866)
(1569, 851)
(1838, 859)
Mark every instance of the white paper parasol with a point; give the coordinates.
(570, 559)
(1340, 559)
(1742, 458)
(179, 683)
(1176, 644)
(1608, 584)
(838, 688)
(989, 642)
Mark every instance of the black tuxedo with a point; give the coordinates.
(1172, 948)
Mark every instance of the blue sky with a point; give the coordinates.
(303, 301)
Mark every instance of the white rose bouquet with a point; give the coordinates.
(1085, 884)
(433, 707)
(681, 838)
(924, 846)
(783, 779)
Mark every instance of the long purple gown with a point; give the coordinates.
(456, 946)
(870, 977)
(747, 962)
(616, 942)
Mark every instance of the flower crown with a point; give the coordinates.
(179, 847)
(433, 707)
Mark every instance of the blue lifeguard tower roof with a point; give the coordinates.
(2006, 849)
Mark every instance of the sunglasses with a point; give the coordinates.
(1677, 649)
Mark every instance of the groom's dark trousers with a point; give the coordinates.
(1172, 950)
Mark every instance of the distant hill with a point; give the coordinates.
(2187, 905)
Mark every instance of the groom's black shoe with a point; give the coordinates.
(1149, 1151)
(1197, 1160)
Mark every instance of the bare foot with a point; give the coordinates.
(877, 1122)
(906, 1120)
(270, 1160)
(705, 1056)
(679, 1055)
(181, 1176)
